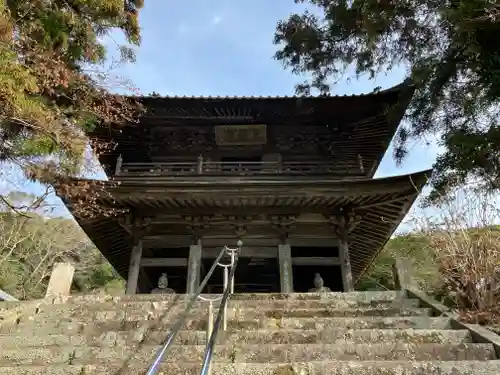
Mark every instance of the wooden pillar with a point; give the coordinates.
(136, 227)
(134, 267)
(194, 267)
(200, 165)
(284, 225)
(197, 225)
(345, 266)
(286, 271)
(343, 222)
(118, 166)
(361, 166)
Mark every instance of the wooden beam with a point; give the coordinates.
(176, 241)
(316, 261)
(262, 252)
(170, 241)
(164, 262)
(255, 229)
(305, 241)
(297, 261)
(218, 218)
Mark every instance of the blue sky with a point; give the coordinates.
(224, 47)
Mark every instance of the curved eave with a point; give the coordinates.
(382, 204)
(157, 185)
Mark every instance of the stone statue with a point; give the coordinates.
(163, 286)
(319, 285)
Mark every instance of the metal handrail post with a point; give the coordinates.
(226, 277)
(178, 324)
(210, 325)
(233, 258)
(207, 358)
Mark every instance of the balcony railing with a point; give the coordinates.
(236, 168)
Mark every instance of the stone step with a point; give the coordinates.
(330, 336)
(158, 309)
(258, 298)
(243, 314)
(42, 307)
(311, 368)
(362, 296)
(281, 353)
(75, 327)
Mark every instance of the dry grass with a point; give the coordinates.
(469, 264)
(464, 236)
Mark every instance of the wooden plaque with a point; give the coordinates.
(240, 135)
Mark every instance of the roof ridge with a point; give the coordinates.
(399, 87)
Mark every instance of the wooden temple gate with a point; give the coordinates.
(291, 177)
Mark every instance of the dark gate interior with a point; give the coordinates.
(252, 276)
(255, 275)
(303, 276)
(176, 277)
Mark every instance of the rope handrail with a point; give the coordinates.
(152, 370)
(225, 281)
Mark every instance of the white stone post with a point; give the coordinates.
(60, 280)
(194, 268)
(285, 263)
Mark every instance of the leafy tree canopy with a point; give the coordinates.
(452, 51)
(52, 82)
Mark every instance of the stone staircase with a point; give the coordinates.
(376, 333)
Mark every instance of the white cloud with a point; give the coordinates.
(193, 29)
(216, 20)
